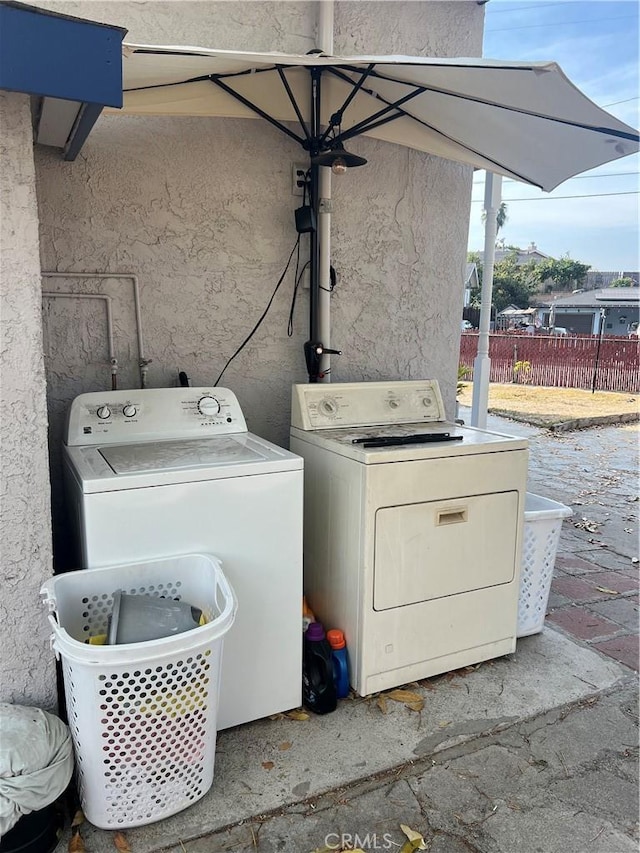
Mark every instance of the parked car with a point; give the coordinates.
(466, 326)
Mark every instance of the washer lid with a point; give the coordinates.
(178, 455)
(116, 467)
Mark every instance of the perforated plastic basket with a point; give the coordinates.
(142, 715)
(542, 524)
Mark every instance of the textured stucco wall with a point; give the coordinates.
(201, 209)
(27, 669)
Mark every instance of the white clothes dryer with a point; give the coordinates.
(160, 472)
(413, 529)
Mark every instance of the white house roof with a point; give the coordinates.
(627, 297)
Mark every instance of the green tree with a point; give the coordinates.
(565, 273)
(512, 284)
(625, 281)
(501, 216)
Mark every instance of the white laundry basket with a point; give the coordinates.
(142, 715)
(542, 524)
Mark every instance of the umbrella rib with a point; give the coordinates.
(363, 125)
(294, 103)
(257, 110)
(336, 118)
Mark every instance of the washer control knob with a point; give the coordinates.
(208, 406)
(129, 411)
(103, 413)
(427, 401)
(393, 403)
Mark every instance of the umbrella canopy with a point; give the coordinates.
(524, 120)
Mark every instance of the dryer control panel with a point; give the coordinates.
(354, 404)
(153, 414)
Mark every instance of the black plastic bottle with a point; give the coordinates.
(318, 685)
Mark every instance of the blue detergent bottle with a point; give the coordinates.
(340, 662)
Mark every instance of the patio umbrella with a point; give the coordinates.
(524, 120)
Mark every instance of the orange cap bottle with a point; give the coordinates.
(336, 639)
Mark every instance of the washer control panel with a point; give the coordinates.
(353, 404)
(153, 414)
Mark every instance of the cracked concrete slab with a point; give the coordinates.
(494, 794)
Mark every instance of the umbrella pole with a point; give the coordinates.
(323, 219)
(314, 259)
(313, 348)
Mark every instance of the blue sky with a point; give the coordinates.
(597, 45)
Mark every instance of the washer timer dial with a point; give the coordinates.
(103, 412)
(208, 406)
(129, 411)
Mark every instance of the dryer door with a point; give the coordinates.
(434, 549)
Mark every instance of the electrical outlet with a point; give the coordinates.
(298, 172)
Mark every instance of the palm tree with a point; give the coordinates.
(501, 216)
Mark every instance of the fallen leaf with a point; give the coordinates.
(608, 591)
(382, 704)
(444, 723)
(297, 714)
(78, 819)
(121, 843)
(284, 746)
(76, 844)
(415, 706)
(406, 696)
(268, 765)
(415, 840)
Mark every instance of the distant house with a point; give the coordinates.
(583, 312)
(597, 280)
(471, 281)
(523, 256)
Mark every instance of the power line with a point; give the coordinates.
(626, 101)
(556, 197)
(575, 178)
(561, 23)
(524, 8)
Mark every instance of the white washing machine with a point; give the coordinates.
(413, 529)
(160, 472)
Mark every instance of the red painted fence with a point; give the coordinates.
(560, 362)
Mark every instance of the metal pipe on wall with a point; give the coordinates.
(107, 301)
(143, 362)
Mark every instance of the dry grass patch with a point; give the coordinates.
(553, 405)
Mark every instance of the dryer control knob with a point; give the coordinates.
(427, 401)
(208, 406)
(129, 411)
(104, 412)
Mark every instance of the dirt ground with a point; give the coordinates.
(553, 405)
